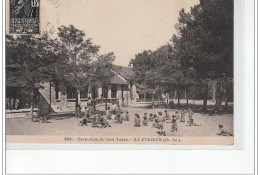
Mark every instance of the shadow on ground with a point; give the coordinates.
(195, 108)
(62, 116)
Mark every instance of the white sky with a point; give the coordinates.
(125, 27)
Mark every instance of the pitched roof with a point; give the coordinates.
(126, 72)
(116, 79)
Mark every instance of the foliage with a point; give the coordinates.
(205, 41)
(69, 61)
(201, 51)
(32, 59)
(82, 66)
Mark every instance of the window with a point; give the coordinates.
(84, 93)
(94, 93)
(57, 94)
(104, 92)
(71, 93)
(113, 91)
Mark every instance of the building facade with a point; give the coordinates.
(120, 90)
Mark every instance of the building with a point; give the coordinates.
(120, 90)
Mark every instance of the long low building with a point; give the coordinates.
(120, 90)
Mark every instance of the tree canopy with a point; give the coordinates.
(201, 51)
(71, 60)
(33, 59)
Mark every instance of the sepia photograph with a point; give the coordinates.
(119, 72)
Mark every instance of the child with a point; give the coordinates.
(190, 114)
(167, 116)
(183, 115)
(191, 120)
(78, 111)
(95, 121)
(84, 122)
(145, 121)
(155, 124)
(113, 117)
(174, 124)
(151, 118)
(104, 123)
(137, 121)
(177, 115)
(113, 108)
(108, 114)
(223, 132)
(126, 116)
(119, 118)
(161, 133)
(160, 120)
(85, 111)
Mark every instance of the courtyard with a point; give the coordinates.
(69, 125)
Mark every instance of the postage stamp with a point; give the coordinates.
(24, 16)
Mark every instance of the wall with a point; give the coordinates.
(62, 104)
(57, 105)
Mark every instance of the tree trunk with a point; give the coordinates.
(226, 103)
(153, 100)
(160, 102)
(205, 104)
(106, 103)
(218, 97)
(178, 97)
(31, 107)
(213, 91)
(205, 97)
(145, 97)
(77, 105)
(50, 99)
(186, 96)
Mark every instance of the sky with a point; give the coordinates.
(125, 27)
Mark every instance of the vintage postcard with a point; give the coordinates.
(119, 72)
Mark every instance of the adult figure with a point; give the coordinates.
(43, 111)
(160, 120)
(17, 101)
(7, 103)
(12, 104)
(190, 115)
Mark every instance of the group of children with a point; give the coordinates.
(116, 113)
(191, 119)
(96, 120)
(158, 120)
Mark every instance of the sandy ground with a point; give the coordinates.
(70, 126)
